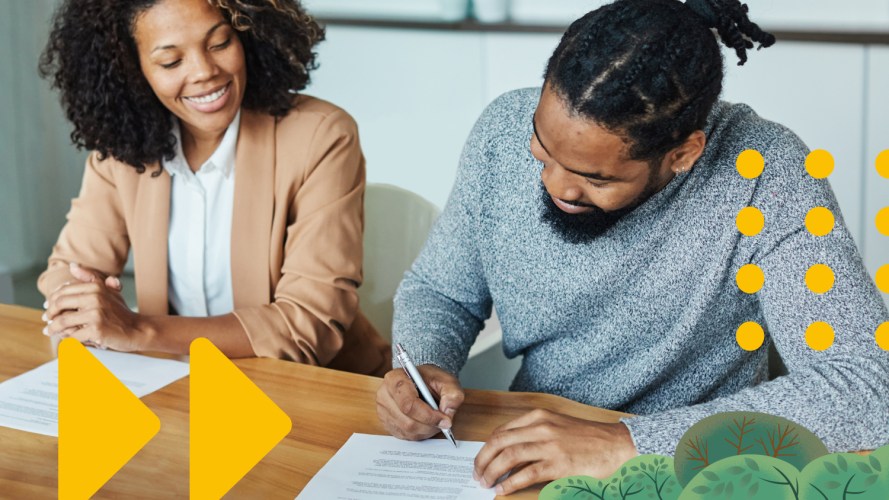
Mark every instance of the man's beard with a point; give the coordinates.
(584, 227)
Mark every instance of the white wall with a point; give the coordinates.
(415, 95)
(876, 193)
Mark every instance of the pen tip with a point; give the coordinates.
(450, 437)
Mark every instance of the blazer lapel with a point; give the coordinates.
(253, 210)
(151, 221)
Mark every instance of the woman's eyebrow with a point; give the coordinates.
(209, 32)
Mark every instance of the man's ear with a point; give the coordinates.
(683, 157)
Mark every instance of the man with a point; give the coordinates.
(610, 250)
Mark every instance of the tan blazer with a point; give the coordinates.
(296, 248)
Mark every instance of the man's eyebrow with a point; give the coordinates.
(209, 32)
(592, 175)
(589, 175)
(534, 126)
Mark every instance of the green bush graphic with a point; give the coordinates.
(643, 477)
(739, 455)
(744, 433)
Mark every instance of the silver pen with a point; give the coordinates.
(417, 379)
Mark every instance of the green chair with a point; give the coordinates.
(397, 223)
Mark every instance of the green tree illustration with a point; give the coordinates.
(643, 477)
(844, 476)
(745, 477)
(741, 434)
(739, 456)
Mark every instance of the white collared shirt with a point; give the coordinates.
(199, 242)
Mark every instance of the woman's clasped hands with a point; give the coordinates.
(92, 310)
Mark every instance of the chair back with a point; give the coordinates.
(396, 223)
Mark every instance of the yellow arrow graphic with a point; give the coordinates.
(233, 424)
(102, 425)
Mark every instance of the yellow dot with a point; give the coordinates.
(819, 164)
(883, 336)
(819, 278)
(882, 278)
(819, 336)
(820, 221)
(750, 278)
(750, 221)
(883, 221)
(750, 336)
(883, 163)
(750, 164)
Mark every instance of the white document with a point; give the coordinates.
(372, 467)
(30, 401)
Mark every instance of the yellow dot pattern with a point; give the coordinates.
(882, 336)
(750, 336)
(883, 221)
(819, 336)
(819, 164)
(750, 221)
(750, 278)
(820, 221)
(750, 164)
(819, 278)
(882, 164)
(882, 278)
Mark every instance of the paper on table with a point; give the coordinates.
(30, 401)
(372, 467)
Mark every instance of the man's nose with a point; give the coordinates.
(561, 183)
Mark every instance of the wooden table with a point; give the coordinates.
(326, 407)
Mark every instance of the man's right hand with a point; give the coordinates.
(405, 415)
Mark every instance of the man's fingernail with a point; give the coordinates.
(474, 475)
(46, 304)
(116, 282)
(44, 318)
(483, 483)
(444, 424)
(450, 412)
(46, 331)
(499, 489)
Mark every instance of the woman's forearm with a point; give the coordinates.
(174, 334)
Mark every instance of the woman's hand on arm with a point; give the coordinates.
(93, 311)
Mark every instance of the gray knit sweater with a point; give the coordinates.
(643, 318)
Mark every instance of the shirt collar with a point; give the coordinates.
(223, 158)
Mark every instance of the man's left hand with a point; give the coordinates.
(543, 446)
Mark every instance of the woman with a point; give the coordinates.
(241, 199)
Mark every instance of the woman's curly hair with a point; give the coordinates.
(91, 58)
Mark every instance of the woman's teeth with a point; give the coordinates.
(209, 98)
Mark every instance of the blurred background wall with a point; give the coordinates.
(416, 73)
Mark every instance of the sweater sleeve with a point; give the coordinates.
(838, 393)
(443, 301)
